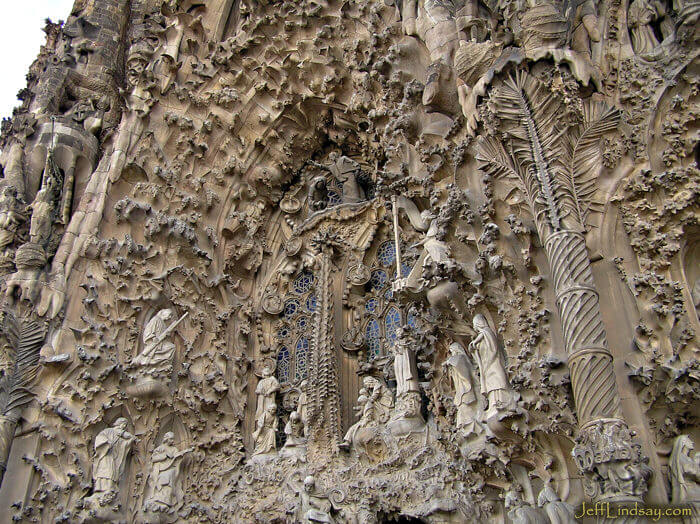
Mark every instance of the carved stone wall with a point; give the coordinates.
(351, 261)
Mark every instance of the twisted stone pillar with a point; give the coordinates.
(613, 465)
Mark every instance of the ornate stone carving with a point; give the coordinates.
(339, 194)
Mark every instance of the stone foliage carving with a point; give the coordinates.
(352, 261)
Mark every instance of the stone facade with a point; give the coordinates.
(352, 261)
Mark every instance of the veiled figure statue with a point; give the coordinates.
(164, 479)
(156, 359)
(460, 370)
(494, 382)
(405, 368)
(112, 445)
(684, 474)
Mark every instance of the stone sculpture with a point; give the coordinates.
(494, 383)
(112, 447)
(684, 474)
(460, 371)
(164, 481)
(304, 178)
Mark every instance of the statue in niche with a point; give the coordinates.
(405, 368)
(112, 446)
(318, 194)
(493, 380)
(265, 433)
(314, 507)
(266, 390)
(640, 15)
(156, 359)
(346, 171)
(684, 473)
(164, 480)
(460, 370)
(11, 216)
(558, 512)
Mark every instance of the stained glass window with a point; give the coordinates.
(378, 279)
(300, 355)
(311, 303)
(392, 322)
(290, 308)
(373, 336)
(334, 198)
(299, 306)
(386, 254)
(371, 305)
(283, 365)
(303, 283)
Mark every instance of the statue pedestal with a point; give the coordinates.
(147, 387)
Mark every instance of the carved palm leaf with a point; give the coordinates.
(496, 161)
(530, 119)
(581, 159)
(26, 339)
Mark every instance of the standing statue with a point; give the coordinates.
(494, 383)
(460, 370)
(112, 445)
(684, 474)
(164, 479)
(405, 368)
(156, 359)
(558, 512)
(266, 390)
(265, 434)
(303, 407)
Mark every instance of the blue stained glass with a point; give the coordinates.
(389, 294)
(311, 303)
(300, 354)
(283, 365)
(405, 269)
(303, 283)
(283, 332)
(378, 279)
(372, 336)
(392, 322)
(371, 305)
(386, 254)
(290, 308)
(411, 320)
(302, 323)
(334, 198)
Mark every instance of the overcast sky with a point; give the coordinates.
(21, 36)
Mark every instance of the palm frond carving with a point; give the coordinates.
(557, 166)
(25, 340)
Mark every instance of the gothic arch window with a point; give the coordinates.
(294, 329)
(383, 313)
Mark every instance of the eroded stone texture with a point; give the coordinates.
(351, 261)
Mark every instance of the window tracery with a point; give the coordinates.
(383, 313)
(294, 329)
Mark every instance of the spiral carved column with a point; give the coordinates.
(613, 464)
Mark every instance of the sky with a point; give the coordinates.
(21, 37)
